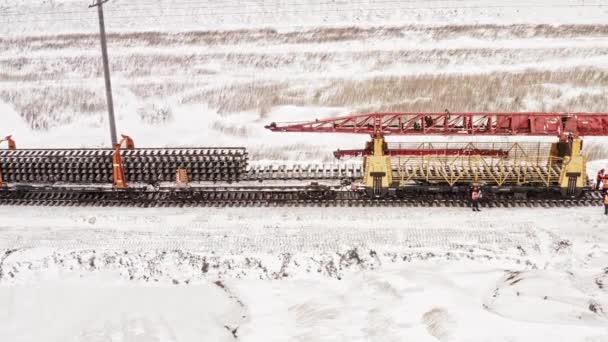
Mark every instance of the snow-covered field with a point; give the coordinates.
(381, 274)
(214, 73)
(209, 73)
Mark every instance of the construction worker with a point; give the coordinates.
(600, 179)
(606, 204)
(475, 197)
(605, 184)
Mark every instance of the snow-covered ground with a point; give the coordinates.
(214, 73)
(69, 16)
(373, 274)
(209, 73)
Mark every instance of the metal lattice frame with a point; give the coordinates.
(446, 123)
(525, 163)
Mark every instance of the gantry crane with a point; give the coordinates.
(569, 127)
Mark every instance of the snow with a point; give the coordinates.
(424, 304)
(594, 166)
(44, 17)
(293, 61)
(87, 311)
(296, 274)
(304, 274)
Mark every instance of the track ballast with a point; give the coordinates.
(270, 197)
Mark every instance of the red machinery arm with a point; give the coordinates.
(382, 124)
(11, 143)
(118, 170)
(11, 146)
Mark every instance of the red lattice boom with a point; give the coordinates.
(382, 124)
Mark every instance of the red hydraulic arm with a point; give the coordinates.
(118, 171)
(11, 146)
(446, 123)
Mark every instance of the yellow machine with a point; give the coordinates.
(378, 168)
(554, 168)
(507, 166)
(573, 176)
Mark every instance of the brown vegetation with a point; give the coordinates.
(48, 106)
(595, 150)
(237, 81)
(195, 64)
(316, 35)
(526, 91)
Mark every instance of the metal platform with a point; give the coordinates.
(517, 164)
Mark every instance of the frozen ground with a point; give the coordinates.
(213, 73)
(373, 274)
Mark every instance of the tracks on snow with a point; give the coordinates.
(244, 197)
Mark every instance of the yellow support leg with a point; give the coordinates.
(573, 176)
(378, 169)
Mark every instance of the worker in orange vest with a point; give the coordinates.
(600, 178)
(606, 204)
(605, 187)
(475, 197)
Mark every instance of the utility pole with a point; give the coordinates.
(106, 68)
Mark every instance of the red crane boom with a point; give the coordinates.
(446, 123)
(379, 125)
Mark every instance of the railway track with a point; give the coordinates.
(222, 177)
(269, 197)
(303, 172)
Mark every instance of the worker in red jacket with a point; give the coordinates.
(475, 198)
(600, 178)
(605, 187)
